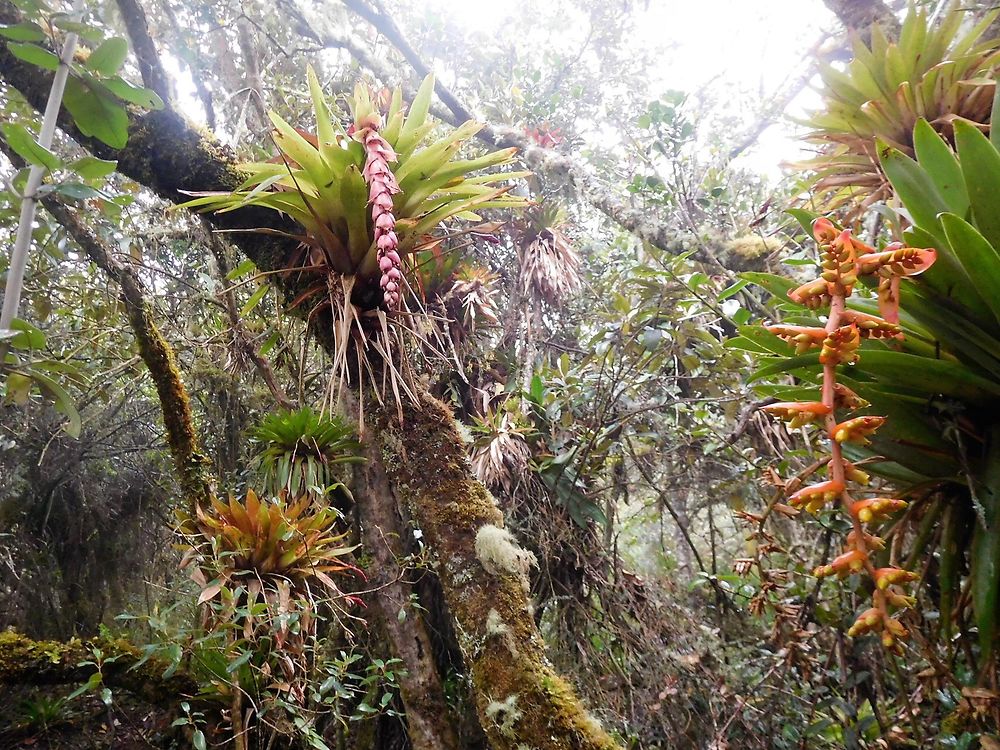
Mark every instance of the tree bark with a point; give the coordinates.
(382, 533)
(521, 700)
(27, 662)
(859, 15)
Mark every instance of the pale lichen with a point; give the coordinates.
(500, 554)
(505, 714)
(495, 625)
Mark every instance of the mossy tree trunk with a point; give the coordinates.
(521, 701)
(383, 532)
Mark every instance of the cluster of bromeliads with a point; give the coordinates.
(844, 260)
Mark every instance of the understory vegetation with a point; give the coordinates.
(374, 379)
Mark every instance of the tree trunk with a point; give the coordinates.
(521, 701)
(382, 534)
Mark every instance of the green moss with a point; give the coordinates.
(192, 467)
(28, 662)
(427, 463)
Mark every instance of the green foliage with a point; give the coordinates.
(939, 387)
(317, 179)
(96, 95)
(42, 711)
(935, 71)
(299, 451)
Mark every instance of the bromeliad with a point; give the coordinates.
(844, 261)
(368, 198)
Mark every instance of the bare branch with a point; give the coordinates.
(150, 68)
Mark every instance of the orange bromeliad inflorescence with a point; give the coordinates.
(844, 260)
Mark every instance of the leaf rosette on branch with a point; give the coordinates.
(368, 197)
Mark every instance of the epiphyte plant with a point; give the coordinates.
(844, 260)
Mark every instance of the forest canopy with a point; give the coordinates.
(499, 376)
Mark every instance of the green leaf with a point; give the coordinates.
(926, 375)
(32, 53)
(198, 740)
(981, 168)
(92, 168)
(25, 145)
(241, 270)
(26, 31)
(732, 289)
(979, 258)
(109, 57)
(914, 187)
(937, 159)
(77, 191)
(804, 218)
(96, 114)
(785, 364)
(27, 337)
(254, 300)
(239, 661)
(779, 286)
(18, 389)
(61, 400)
(83, 30)
(145, 98)
(413, 124)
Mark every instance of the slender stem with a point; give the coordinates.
(19, 255)
(837, 305)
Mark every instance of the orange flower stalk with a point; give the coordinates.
(871, 326)
(798, 413)
(801, 337)
(856, 430)
(815, 496)
(843, 260)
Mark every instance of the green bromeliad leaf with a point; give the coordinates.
(317, 179)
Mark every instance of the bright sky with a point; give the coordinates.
(739, 45)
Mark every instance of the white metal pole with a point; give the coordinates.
(19, 255)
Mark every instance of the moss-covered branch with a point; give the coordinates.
(24, 661)
(191, 466)
(521, 700)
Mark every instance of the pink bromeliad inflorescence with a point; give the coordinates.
(382, 186)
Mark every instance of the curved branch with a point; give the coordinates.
(554, 164)
(192, 467)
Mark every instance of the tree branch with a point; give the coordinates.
(192, 467)
(150, 68)
(27, 662)
(859, 15)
